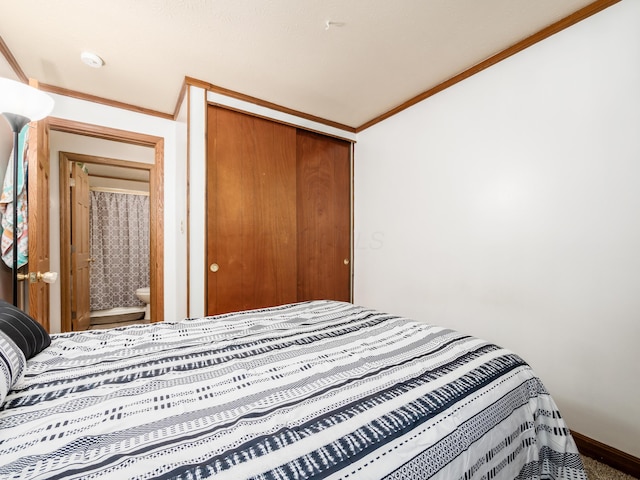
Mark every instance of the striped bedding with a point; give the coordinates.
(310, 390)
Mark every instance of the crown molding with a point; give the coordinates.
(256, 101)
(586, 12)
(103, 101)
(13, 63)
(552, 29)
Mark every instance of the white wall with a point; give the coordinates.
(174, 202)
(197, 201)
(179, 187)
(508, 206)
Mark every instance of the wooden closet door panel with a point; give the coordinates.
(324, 217)
(251, 212)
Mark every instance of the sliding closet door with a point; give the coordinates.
(324, 217)
(251, 208)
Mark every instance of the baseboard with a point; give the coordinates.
(608, 455)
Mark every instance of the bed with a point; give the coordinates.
(318, 389)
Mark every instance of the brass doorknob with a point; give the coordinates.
(33, 277)
(214, 267)
(346, 261)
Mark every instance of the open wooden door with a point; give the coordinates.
(38, 218)
(80, 315)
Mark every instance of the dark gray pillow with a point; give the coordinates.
(25, 332)
(12, 364)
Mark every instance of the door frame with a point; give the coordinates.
(156, 206)
(66, 223)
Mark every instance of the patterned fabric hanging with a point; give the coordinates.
(119, 243)
(7, 206)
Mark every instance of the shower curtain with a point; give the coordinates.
(119, 245)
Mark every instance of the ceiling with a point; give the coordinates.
(344, 61)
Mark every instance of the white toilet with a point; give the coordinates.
(145, 295)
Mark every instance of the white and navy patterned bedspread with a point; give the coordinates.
(312, 390)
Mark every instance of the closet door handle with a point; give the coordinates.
(214, 267)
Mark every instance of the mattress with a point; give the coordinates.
(310, 390)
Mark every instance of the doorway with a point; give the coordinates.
(156, 195)
(100, 279)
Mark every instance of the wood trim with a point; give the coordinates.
(188, 191)
(256, 101)
(123, 191)
(83, 158)
(120, 178)
(65, 244)
(156, 204)
(13, 63)
(207, 234)
(181, 95)
(352, 206)
(105, 133)
(156, 225)
(608, 455)
(552, 29)
(103, 101)
(281, 122)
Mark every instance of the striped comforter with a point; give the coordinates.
(311, 390)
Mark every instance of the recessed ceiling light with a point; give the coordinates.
(91, 59)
